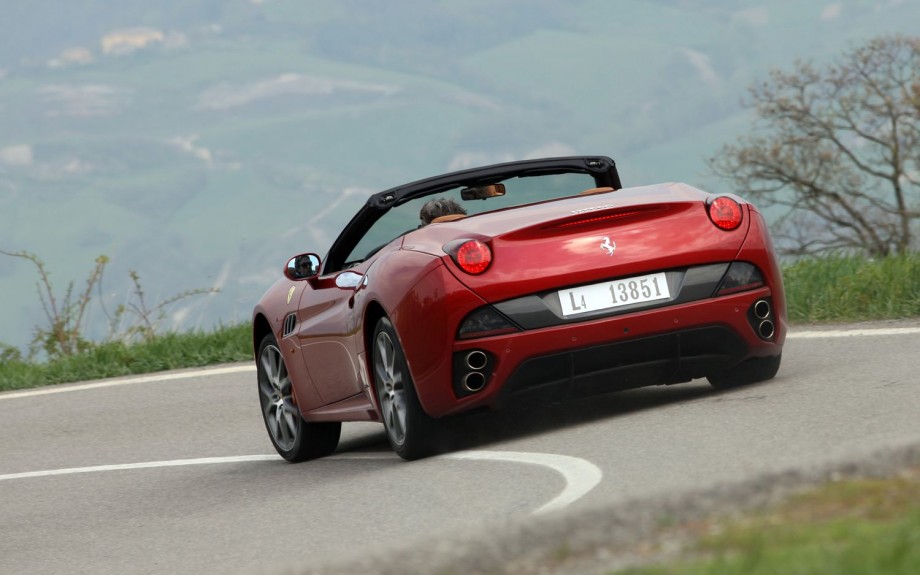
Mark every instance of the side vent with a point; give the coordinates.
(290, 322)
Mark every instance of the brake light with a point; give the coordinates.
(725, 213)
(473, 257)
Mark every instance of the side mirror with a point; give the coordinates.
(483, 192)
(302, 267)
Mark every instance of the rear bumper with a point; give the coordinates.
(673, 357)
(652, 347)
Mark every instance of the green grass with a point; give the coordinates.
(169, 351)
(852, 288)
(850, 527)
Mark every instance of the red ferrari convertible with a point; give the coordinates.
(539, 279)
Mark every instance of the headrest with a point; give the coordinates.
(448, 218)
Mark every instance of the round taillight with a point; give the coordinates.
(473, 257)
(725, 213)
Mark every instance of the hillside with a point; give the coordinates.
(202, 143)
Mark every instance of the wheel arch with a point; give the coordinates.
(260, 328)
(372, 314)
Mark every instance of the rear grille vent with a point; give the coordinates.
(290, 322)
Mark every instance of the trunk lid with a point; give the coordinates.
(587, 239)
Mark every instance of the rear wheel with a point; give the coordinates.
(410, 431)
(751, 371)
(293, 438)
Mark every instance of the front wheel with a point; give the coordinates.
(751, 371)
(411, 432)
(294, 439)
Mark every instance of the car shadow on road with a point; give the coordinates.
(479, 429)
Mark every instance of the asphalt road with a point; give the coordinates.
(174, 473)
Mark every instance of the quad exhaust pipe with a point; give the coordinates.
(763, 312)
(470, 372)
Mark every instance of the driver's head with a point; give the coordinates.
(439, 207)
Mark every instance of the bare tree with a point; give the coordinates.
(839, 148)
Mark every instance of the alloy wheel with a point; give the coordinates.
(391, 388)
(278, 407)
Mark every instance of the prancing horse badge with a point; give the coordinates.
(609, 246)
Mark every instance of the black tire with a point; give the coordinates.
(751, 371)
(294, 439)
(411, 432)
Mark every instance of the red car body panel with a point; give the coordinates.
(673, 230)
(537, 250)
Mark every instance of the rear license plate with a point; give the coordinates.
(613, 294)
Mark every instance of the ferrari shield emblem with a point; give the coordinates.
(291, 293)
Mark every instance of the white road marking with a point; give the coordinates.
(581, 476)
(144, 465)
(210, 372)
(871, 332)
(206, 372)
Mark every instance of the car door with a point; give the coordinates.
(326, 334)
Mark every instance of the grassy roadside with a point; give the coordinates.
(850, 288)
(169, 351)
(849, 527)
(836, 288)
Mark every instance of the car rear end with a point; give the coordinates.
(642, 286)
